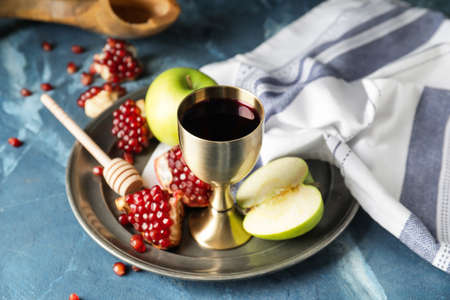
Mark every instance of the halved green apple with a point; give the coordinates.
(281, 205)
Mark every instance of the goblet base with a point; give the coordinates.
(218, 230)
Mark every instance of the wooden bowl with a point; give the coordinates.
(116, 18)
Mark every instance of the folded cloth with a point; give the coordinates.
(363, 85)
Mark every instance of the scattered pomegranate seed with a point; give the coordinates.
(25, 92)
(119, 268)
(46, 86)
(15, 142)
(123, 219)
(97, 170)
(137, 242)
(71, 68)
(135, 269)
(128, 157)
(77, 49)
(86, 78)
(74, 296)
(47, 46)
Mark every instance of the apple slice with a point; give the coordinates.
(286, 215)
(271, 179)
(281, 206)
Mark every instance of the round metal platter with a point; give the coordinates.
(92, 203)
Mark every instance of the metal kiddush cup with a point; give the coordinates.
(220, 163)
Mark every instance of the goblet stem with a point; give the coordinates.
(218, 230)
(220, 225)
(221, 199)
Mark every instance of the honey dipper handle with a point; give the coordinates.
(75, 130)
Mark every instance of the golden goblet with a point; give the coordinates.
(220, 163)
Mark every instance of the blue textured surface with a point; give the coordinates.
(45, 254)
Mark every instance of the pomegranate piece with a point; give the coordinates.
(25, 92)
(130, 127)
(46, 86)
(117, 62)
(97, 170)
(156, 214)
(98, 98)
(47, 46)
(119, 268)
(74, 296)
(77, 49)
(174, 175)
(71, 67)
(86, 78)
(15, 142)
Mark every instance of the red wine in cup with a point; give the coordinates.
(220, 119)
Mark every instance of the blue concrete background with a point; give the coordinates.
(45, 254)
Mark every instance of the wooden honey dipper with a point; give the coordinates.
(121, 176)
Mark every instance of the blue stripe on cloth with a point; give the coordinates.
(423, 166)
(276, 101)
(359, 29)
(279, 82)
(322, 47)
(317, 50)
(370, 57)
(416, 236)
(351, 65)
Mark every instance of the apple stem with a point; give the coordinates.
(189, 82)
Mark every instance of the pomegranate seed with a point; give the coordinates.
(77, 49)
(47, 46)
(119, 268)
(123, 219)
(71, 68)
(97, 170)
(92, 70)
(25, 92)
(108, 87)
(15, 142)
(137, 242)
(74, 296)
(128, 157)
(135, 269)
(164, 243)
(86, 78)
(81, 103)
(46, 86)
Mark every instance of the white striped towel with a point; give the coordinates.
(363, 85)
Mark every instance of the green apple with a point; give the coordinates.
(164, 96)
(281, 205)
